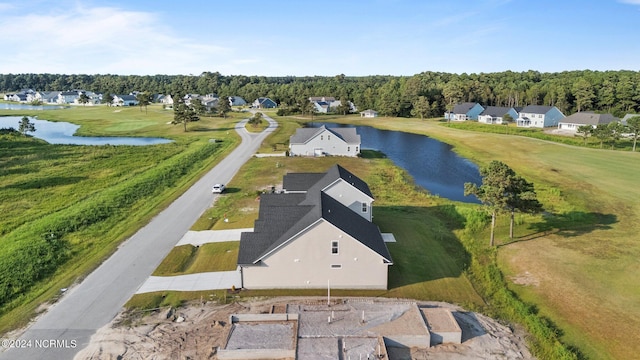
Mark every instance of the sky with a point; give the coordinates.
(323, 38)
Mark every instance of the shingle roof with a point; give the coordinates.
(495, 111)
(282, 216)
(300, 181)
(536, 109)
(589, 118)
(302, 135)
(463, 108)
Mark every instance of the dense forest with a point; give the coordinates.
(428, 94)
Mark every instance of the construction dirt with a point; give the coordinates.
(199, 330)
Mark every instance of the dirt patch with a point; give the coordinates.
(197, 331)
(526, 279)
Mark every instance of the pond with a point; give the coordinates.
(432, 163)
(62, 133)
(10, 106)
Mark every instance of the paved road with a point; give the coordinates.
(68, 325)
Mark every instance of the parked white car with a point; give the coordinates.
(217, 188)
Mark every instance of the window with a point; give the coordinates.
(334, 247)
(328, 137)
(356, 149)
(364, 207)
(348, 148)
(336, 266)
(321, 137)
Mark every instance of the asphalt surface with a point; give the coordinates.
(68, 325)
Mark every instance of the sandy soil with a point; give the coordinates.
(197, 330)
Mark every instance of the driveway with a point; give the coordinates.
(68, 325)
(197, 238)
(193, 282)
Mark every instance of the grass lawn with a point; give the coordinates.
(429, 261)
(91, 197)
(583, 258)
(189, 259)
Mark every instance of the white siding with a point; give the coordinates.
(350, 197)
(327, 143)
(305, 262)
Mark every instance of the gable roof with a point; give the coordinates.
(495, 111)
(589, 118)
(463, 108)
(303, 135)
(537, 109)
(283, 216)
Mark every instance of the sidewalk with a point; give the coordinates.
(192, 282)
(197, 238)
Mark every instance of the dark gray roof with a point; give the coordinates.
(536, 109)
(589, 118)
(463, 108)
(300, 181)
(282, 216)
(302, 135)
(496, 111)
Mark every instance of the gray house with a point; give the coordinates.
(264, 103)
(539, 116)
(317, 232)
(324, 141)
(572, 122)
(464, 111)
(494, 114)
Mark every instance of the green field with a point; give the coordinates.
(70, 206)
(583, 256)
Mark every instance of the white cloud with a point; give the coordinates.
(85, 40)
(631, 2)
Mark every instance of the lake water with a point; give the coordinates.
(10, 106)
(62, 133)
(432, 163)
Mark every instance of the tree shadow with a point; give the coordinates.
(426, 248)
(568, 225)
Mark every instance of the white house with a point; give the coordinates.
(124, 100)
(572, 122)
(324, 141)
(539, 116)
(318, 233)
(494, 114)
(464, 111)
(369, 113)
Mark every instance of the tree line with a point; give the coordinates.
(427, 94)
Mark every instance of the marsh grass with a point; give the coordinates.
(70, 206)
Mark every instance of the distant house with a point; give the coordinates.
(264, 103)
(47, 97)
(464, 111)
(326, 104)
(369, 113)
(317, 232)
(167, 101)
(572, 122)
(627, 117)
(539, 116)
(494, 114)
(210, 104)
(321, 106)
(324, 141)
(68, 97)
(124, 100)
(236, 101)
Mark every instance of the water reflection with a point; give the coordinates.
(431, 163)
(62, 133)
